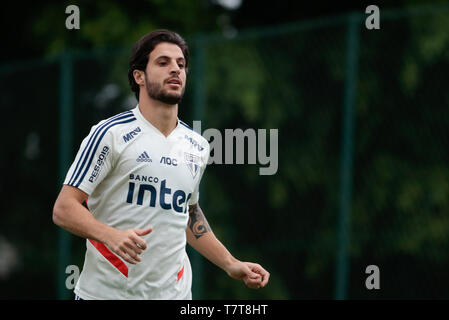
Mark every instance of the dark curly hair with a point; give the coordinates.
(142, 49)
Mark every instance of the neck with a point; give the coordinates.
(161, 115)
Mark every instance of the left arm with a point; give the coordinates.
(202, 239)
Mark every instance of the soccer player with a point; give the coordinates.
(133, 190)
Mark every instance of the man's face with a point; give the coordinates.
(166, 74)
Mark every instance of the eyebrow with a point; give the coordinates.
(167, 57)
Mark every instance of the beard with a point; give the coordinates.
(156, 92)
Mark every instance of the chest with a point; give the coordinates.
(160, 162)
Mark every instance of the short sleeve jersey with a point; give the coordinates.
(138, 178)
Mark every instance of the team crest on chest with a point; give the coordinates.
(193, 163)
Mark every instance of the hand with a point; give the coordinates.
(252, 274)
(128, 244)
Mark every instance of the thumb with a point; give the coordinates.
(142, 232)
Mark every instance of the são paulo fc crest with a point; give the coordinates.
(193, 162)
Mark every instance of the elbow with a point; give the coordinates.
(57, 216)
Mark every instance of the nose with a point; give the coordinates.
(174, 68)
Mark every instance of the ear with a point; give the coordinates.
(139, 77)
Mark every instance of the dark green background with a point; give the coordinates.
(284, 67)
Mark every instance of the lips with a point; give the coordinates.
(174, 81)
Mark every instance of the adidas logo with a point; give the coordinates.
(144, 157)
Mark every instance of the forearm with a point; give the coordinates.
(212, 249)
(71, 215)
(203, 240)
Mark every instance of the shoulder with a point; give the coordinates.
(194, 137)
(118, 119)
(115, 125)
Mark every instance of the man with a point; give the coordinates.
(133, 190)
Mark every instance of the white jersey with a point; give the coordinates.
(137, 178)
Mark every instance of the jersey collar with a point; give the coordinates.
(148, 124)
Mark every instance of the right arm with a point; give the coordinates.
(70, 214)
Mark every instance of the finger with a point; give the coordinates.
(139, 242)
(257, 268)
(249, 272)
(133, 247)
(126, 257)
(128, 253)
(254, 276)
(143, 232)
(265, 278)
(264, 274)
(132, 253)
(252, 283)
